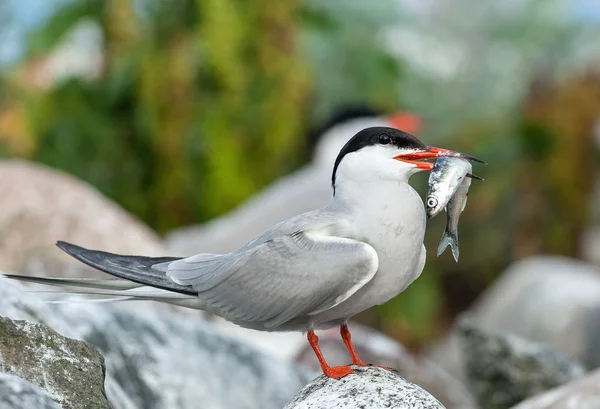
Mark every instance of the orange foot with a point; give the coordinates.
(338, 372)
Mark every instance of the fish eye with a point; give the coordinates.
(432, 202)
(384, 139)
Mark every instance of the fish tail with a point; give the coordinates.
(449, 239)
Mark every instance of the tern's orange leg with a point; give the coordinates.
(337, 372)
(348, 341)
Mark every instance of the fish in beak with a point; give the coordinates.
(419, 158)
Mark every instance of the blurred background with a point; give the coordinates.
(182, 110)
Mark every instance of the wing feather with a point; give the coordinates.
(289, 276)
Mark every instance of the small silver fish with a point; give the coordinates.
(444, 180)
(455, 207)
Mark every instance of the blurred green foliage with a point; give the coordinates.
(200, 103)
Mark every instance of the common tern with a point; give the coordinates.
(300, 191)
(313, 271)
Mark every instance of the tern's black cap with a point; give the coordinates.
(377, 135)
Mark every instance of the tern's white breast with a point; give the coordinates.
(392, 220)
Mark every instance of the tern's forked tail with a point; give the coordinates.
(137, 279)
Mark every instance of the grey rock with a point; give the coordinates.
(503, 369)
(41, 205)
(580, 394)
(70, 371)
(590, 239)
(591, 355)
(156, 359)
(371, 388)
(378, 349)
(17, 393)
(551, 300)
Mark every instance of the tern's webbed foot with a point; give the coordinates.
(338, 372)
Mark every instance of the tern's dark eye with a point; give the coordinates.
(384, 139)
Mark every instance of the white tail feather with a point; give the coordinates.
(108, 284)
(109, 289)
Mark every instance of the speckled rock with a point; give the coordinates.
(70, 371)
(156, 359)
(372, 346)
(378, 349)
(583, 393)
(371, 388)
(503, 370)
(17, 393)
(41, 205)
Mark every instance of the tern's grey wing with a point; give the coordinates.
(289, 276)
(323, 220)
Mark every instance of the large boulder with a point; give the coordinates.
(17, 393)
(583, 393)
(41, 205)
(157, 359)
(551, 300)
(504, 370)
(70, 371)
(372, 388)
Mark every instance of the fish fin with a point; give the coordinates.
(451, 240)
(464, 203)
(455, 250)
(472, 176)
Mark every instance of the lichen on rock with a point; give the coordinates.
(70, 371)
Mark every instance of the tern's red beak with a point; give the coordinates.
(416, 158)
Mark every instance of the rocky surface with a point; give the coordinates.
(372, 346)
(17, 393)
(551, 300)
(68, 209)
(160, 360)
(371, 388)
(583, 393)
(378, 349)
(591, 356)
(70, 371)
(503, 370)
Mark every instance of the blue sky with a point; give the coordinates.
(29, 13)
(23, 16)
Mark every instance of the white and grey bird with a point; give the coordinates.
(300, 191)
(313, 271)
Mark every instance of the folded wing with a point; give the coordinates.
(290, 276)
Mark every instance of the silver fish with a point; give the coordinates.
(444, 180)
(455, 207)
